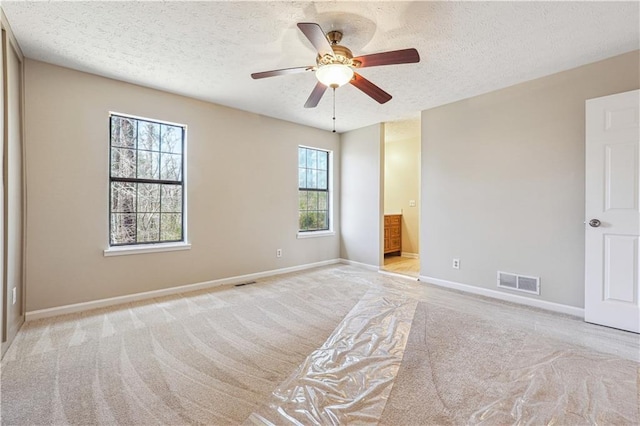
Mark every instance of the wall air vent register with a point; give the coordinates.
(519, 282)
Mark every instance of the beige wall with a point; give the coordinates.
(241, 180)
(503, 180)
(402, 183)
(361, 203)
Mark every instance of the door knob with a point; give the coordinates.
(594, 223)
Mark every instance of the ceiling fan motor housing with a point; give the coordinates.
(341, 54)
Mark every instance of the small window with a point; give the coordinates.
(146, 181)
(313, 189)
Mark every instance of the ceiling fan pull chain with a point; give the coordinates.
(334, 110)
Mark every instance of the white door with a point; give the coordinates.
(612, 209)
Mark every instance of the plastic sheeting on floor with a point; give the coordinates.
(462, 368)
(349, 378)
(412, 354)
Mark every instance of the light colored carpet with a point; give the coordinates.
(217, 356)
(209, 357)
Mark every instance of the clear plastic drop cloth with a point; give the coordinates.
(465, 368)
(412, 354)
(564, 387)
(349, 378)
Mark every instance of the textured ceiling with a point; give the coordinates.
(207, 50)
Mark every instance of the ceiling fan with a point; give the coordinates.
(335, 65)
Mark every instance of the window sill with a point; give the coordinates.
(146, 248)
(315, 234)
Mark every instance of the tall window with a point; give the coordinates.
(313, 189)
(147, 181)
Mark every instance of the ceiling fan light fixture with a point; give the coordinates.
(334, 75)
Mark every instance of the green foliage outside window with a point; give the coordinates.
(146, 174)
(313, 189)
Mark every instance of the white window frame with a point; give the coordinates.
(324, 232)
(121, 250)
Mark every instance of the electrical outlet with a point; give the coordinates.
(456, 264)
(13, 295)
(279, 253)
(412, 203)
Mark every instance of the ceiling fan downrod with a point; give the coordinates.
(334, 36)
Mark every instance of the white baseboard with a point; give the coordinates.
(410, 255)
(102, 303)
(514, 298)
(360, 264)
